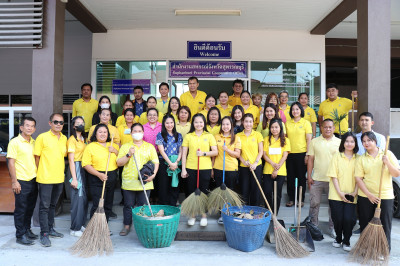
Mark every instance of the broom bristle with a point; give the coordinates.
(372, 246)
(194, 204)
(219, 197)
(286, 245)
(96, 237)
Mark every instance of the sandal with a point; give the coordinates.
(124, 232)
(290, 204)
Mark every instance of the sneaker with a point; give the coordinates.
(332, 233)
(31, 235)
(220, 221)
(203, 221)
(83, 229)
(113, 215)
(75, 233)
(191, 221)
(336, 244)
(357, 232)
(24, 240)
(346, 247)
(44, 240)
(53, 233)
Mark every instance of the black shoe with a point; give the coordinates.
(113, 215)
(44, 240)
(24, 240)
(53, 233)
(31, 235)
(121, 203)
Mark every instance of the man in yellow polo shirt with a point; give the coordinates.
(85, 106)
(320, 154)
(50, 150)
(342, 105)
(194, 99)
(237, 87)
(163, 102)
(22, 167)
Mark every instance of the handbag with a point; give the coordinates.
(315, 232)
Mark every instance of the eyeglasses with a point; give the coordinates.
(56, 122)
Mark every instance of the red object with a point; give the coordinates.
(198, 170)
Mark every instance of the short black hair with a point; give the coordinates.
(303, 93)
(27, 119)
(87, 84)
(244, 91)
(367, 114)
(163, 84)
(219, 95)
(130, 110)
(135, 125)
(370, 135)
(138, 88)
(301, 109)
(193, 78)
(54, 114)
(328, 120)
(237, 81)
(93, 138)
(187, 109)
(331, 85)
(151, 109)
(344, 137)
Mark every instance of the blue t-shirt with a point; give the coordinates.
(170, 147)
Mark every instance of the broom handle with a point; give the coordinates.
(223, 168)
(275, 196)
(262, 192)
(295, 201)
(108, 162)
(198, 170)
(352, 113)
(141, 181)
(383, 169)
(299, 215)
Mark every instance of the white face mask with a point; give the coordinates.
(137, 136)
(104, 106)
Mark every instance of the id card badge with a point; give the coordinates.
(275, 151)
(127, 131)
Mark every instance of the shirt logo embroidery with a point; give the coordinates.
(308, 113)
(205, 139)
(300, 126)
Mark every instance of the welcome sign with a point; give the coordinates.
(202, 49)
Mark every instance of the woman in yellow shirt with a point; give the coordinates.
(343, 190)
(94, 161)
(309, 113)
(151, 103)
(250, 159)
(76, 174)
(269, 114)
(223, 106)
(368, 174)
(128, 104)
(200, 145)
(213, 121)
(276, 150)
(184, 117)
(173, 107)
(249, 108)
(124, 130)
(272, 97)
(299, 133)
(210, 102)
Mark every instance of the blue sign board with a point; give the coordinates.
(208, 69)
(202, 49)
(126, 86)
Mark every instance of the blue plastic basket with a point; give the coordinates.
(246, 234)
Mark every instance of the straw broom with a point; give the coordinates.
(196, 203)
(286, 245)
(96, 237)
(221, 195)
(372, 246)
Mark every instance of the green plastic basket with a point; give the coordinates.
(156, 232)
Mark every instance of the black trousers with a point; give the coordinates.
(167, 195)
(250, 191)
(268, 187)
(25, 203)
(231, 178)
(49, 194)
(366, 211)
(344, 218)
(296, 168)
(133, 199)
(96, 187)
(205, 176)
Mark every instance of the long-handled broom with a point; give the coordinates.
(96, 237)
(221, 195)
(372, 246)
(144, 189)
(286, 245)
(196, 203)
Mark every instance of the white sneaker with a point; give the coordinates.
(83, 228)
(346, 247)
(220, 221)
(75, 233)
(203, 222)
(332, 233)
(191, 221)
(336, 244)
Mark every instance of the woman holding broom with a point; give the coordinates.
(368, 172)
(250, 159)
(343, 190)
(94, 161)
(198, 148)
(228, 142)
(132, 188)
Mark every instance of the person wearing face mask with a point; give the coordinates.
(131, 185)
(85, 106)
(104, 103)
(76, 174)
(105, 116)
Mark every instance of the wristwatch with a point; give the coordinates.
(128, 156)
(205, 154)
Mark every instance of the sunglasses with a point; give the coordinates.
(56, 122)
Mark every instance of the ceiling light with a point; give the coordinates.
(188, 12)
